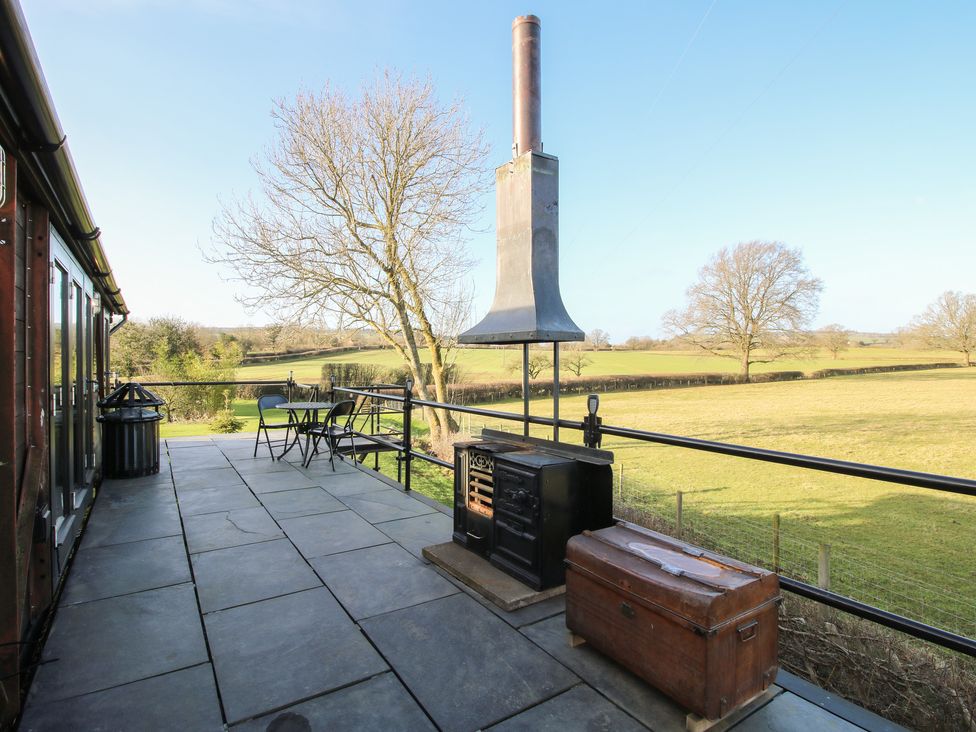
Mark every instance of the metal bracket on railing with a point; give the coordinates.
(592, 435)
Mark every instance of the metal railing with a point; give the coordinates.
(593, 432)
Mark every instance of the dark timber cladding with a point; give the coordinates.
(57, 299)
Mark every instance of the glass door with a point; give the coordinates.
(72, 422)
(60, 478)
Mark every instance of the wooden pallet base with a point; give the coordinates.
(694, 723)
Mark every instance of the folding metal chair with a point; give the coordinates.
(333, 432)
(269, 401)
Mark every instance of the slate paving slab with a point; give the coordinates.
(646, 704)
(210, 500)
(414, 533)
(789, 713)
(260, 465)
(229, 528)
(520, 617)
(301, 502)
(379, 579)
(271, 482)
(208, 479)
(381, 703)
(143, 705)
(464, 665)
(330, 533)
(195, 467)
(378, 506)
(120, 569)
(320, 466)
(276, 652)
(119, 494)
(120, 524)
(351, 484)
(108, 642)
(184, 443)
(241, 574)
(579, 709)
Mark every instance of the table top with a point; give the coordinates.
(295, 406)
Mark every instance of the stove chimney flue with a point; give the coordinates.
(526, 85)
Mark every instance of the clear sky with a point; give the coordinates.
(844, 127)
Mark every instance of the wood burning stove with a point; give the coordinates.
(517, 500)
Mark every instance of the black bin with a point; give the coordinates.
(130, 432)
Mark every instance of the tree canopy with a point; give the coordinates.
(752, 302)
(949, 323)
(360, 218)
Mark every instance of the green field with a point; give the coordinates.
(491, 364)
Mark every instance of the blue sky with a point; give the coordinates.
(842, 127)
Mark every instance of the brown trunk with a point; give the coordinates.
(700, 627)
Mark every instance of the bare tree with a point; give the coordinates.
(949, 323)
(360, 218)
(574, 359)
(834, 338)
(538, 362)
(598, 339)
(272, 334)
(751, 303)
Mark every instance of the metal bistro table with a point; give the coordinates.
(308, 419)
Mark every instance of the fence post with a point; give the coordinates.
(678, 498)
(823, 567)
(332, 388)
(291, 383)
(407, 431)
(776, 543)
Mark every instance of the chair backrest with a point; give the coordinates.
(269, 401)
(341, 409)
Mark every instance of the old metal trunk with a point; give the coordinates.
(700, 627)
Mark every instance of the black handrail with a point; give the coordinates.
(914, 628)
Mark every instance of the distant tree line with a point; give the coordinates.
(170, 349)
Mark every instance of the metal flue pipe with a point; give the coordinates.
(526, 85)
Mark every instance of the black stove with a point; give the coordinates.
(518, 500)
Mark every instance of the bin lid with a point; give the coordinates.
(131, 394)
(130, 414)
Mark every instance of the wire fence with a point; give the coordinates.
(885, 580)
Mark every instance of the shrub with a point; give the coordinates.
(226, 422)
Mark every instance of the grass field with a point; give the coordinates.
(491, 364)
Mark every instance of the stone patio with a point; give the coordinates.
(230, 591)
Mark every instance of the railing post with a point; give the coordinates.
(291, 384)
(407, 431)
(555, 391)
(525, 388)
(591, 423)
(823, 567)
(776, 543)
(332, 388)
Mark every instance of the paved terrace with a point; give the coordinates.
(229, 591)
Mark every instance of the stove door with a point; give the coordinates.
(517, 525)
